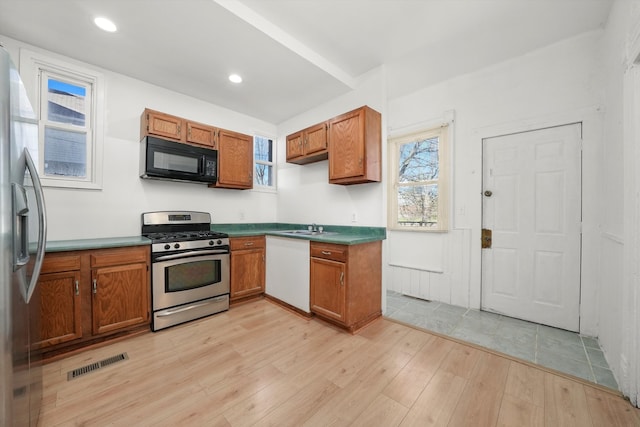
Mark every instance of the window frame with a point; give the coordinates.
(272, 163)
(34, 69)
(443, 133)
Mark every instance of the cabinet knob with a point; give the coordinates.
(326, 253)
(77, 288)
(249, 244)
(342, 278)
(95, 286)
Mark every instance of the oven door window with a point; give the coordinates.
(191, 275)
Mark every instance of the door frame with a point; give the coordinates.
(581, 191)
(592, 127)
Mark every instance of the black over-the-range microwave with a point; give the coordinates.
(162, 159)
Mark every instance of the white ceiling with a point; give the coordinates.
(295, 54)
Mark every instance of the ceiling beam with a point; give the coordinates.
(287, 40)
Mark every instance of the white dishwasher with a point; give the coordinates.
(288, 271)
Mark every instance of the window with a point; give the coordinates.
(68, 106)
(264, 175)
(419, 181)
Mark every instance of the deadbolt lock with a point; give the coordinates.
(486, 238)
(488, 193)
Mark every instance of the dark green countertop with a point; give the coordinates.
(343, 235)
(100, 243)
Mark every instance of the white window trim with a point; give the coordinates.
(274, 146)
(443, 127)
(30, 65)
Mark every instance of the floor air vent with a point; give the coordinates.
(96, 365)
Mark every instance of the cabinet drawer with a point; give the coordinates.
(329, 251)
(120, 256)
(251, 242)
(58, 263)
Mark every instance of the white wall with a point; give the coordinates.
(304, 192)
(115, 210)
(620, 238)
(555, 85)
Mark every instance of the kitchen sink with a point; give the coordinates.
(307, 232)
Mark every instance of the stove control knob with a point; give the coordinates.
(167, 247)
(211, 242)
(219, 242)
(177, 245)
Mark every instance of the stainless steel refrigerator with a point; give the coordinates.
(22, 219)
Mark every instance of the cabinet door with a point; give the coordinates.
(346, 146)
(294, 146)
(316, 139)
(164, 125)
(247, 273)
(235, 160)
(328, 295)
(58, 298)
(200, 134)
(120, 297)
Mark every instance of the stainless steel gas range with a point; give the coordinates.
(190, 267)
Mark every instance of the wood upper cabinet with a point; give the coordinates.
(355, 147)
(235, 150)
(200, 134)
(176, 129)
(58, 301)
(120, 289)
(346, 283)
(162, 125)
(308, 145)
(87, 296)
(247, 266)
(235, 160)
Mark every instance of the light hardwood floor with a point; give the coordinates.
(259, 364)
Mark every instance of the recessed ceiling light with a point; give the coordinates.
(235, 78)
(105, 24)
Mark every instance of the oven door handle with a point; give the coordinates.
(192, 253)
(166, 313)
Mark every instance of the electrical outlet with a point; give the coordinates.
(354, 217)
(241, 214)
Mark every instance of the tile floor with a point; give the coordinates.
(554, 348)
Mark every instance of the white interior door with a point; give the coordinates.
(532, 205)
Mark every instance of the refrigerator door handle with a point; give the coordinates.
(42, 224)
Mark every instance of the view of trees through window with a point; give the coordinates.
(418, 172)
(264, 164)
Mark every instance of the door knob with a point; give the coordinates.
(488, 193)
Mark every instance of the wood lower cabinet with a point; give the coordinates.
(120, 290)
(247, 266)
(84, 297)
(355, 147)
(235, 160)
(346, 283)
(308, 145)
(57, 299)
